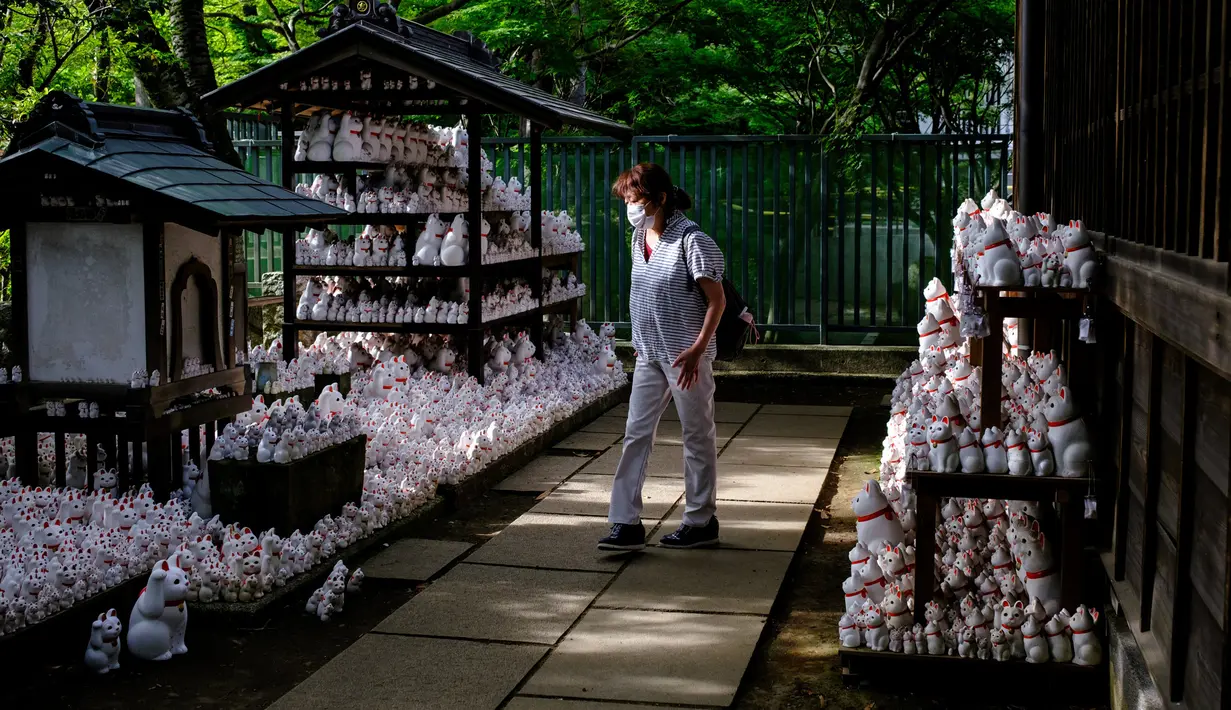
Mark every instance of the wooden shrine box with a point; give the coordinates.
(125, 257)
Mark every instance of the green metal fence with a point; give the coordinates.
(826, 245)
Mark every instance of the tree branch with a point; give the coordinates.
(55, 67)
(287, 31)
(429, 16)
(615, 46)
(243, 22)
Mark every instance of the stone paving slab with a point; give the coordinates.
(542, 474)
(414, 559)
(670, 433)
(590, 494)
(589, 441)
(650, 656)
(737, 581)
(491, 603)
(522, 702)
(606, 425)
(823, 410)
(778, 451)
(551, 541)
(383, 671)
(724, 412)
(665, 461)
(757, 526)
(795, 426)
(770, 484)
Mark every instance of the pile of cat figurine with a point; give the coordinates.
(999, 590)
(60, 546)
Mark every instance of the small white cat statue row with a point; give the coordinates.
(160, 617)
(103, 652)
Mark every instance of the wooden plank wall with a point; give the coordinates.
(1136, 144)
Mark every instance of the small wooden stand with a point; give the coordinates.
(930, 486)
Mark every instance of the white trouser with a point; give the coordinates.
(654, 385)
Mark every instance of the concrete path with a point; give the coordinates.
(537, 618)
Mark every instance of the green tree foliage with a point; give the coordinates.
(682, 66)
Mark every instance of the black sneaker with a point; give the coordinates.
(687, 536)
(624, 537)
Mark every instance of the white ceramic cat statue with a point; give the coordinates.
(1059, 646)
(1034, 641)
(1070, 441)
(999, 264)
(1087, 649)
(1079, 254)
(943, 447)
(970, 451)
(876, 524)
(1042, 580)
(995, 459)
(160, 617)
(849, 633)
(1020, 463)
(102, 654)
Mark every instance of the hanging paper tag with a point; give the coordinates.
(1086, 331)
(1091, 508)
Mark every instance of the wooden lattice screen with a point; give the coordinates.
(1135, 142)
(1136, 121)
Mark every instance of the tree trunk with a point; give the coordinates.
(146, 50)
(29, 59)
(186, 19)
(102, 67)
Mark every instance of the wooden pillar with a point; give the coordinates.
(155, 301)
(989, 395)
(1149, 545)
(290, 332)
(925, 550)
(1123, 498)
(474, 193)
(536, 224)
(1029, 149)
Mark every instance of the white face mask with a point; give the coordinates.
(637, 216)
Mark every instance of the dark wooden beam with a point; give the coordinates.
(1181, 610)
(1120, 534)
(1149, 546)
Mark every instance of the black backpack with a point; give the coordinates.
(733, 331)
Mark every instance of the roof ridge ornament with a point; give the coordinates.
(478, 49)
(373, 12)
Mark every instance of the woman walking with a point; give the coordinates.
(676, 301)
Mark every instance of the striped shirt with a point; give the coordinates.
(667, 314)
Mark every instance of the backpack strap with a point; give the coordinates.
(692, 283)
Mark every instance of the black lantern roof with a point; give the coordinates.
(151, 154)
(459, 63)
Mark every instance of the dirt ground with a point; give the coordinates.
(248, 664)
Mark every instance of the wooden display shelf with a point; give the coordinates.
(1034, 290)
(565, 306)
(1082, 684)
(526, 315)
(345, 326)
(997, 485)
(931, 486)
(382, 271)
(562, 260)
(394, 219)
(515, 266)
(263, 301)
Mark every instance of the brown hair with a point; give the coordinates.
(651, 182)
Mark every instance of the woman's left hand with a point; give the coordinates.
(688, 362)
